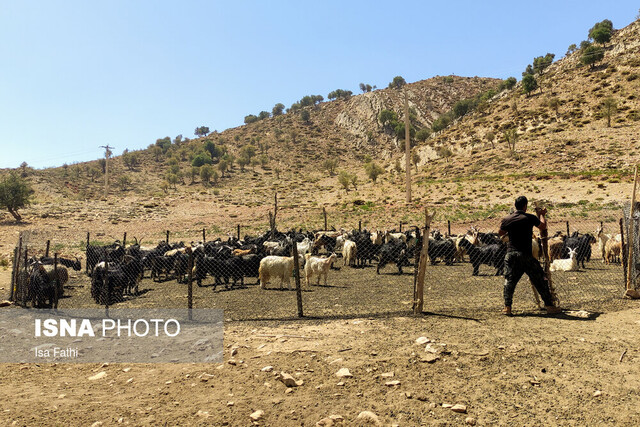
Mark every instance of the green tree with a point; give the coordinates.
(15, 194)
(305, 116)
(591, 54)
(490, 136)
(223, 165)
(354, 181)
(173, 180)
(554, 103)
(344, 179)
(156, 152)
(528, 70)
(365, 87)
(601, 32)
(401, 133)
(124, 182)
(511, 138)
(423, 134)
(462, 107)
(508, 84)
(397, 82)
(23, 169)
(243, 161)
(572, 48)
(444, 152)
(542, 62)
(201, 159)
(387, 118)
(164, 143)
(210, 147)
(277, 109)
(529, 84)
(294, 107)
(263, 115)
(195, 172)
(609, 107)
(330, 166)
(250, 119)
(206, 172)
(415, 159)
(440, 123)
(373, 170)
(201, 131)
(129, 159)
(340, 94)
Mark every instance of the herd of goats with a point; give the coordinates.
(116, 270)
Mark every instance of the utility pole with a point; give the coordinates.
(407, 145)
(107, 153)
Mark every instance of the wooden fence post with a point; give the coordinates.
(624, 253)
(46, 251)
(238, 232)
(190, 284)
(418, 302)
(296, 270)
(124, 240)
(401, 226)
(631, 238)
(449, 226)
(204, 235)
(568, 234)
(86, 265)
(24, 288)
(324, 213)
(14, 277)
(56, 292)
(360, 225)
(167, 239)
(544, 238)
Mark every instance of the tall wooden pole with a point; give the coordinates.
(296, 270)
(107, 153)
(418, 302)
(407, 146)
(623, 240)
(632, 293)
(544, 238)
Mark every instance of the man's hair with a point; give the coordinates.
(521, 202)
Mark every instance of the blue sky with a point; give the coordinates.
(77, 75)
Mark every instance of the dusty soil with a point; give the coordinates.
(527, 370)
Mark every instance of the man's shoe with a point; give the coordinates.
(552, 309)
(507, 311)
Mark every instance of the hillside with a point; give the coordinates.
(565, 154)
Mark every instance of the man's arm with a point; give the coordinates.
(541, 212)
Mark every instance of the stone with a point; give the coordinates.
(470, 421)
(369, 417)
(62, 396)
(447, 405)
(392, 383)
(459, 408)
(126, 369)
(267, 369)
(230, 403)
(422, 340)
(343, 373)
(257, 415)
(234, 351)
(5, 303)
(288, 380)
(432, 349)
(331, 420)
(98, 376)
(387, 375)
(597, 393)
(429, 358)
(204, 414)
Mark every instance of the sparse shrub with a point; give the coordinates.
(124, 182)
(344, 179)
(423, 134)
(608, 109)
(330, 166)
(206, 172)
(373, 170)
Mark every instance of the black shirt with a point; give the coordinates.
(519, 225)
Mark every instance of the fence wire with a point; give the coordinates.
(352, 270)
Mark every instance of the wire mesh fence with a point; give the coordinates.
(354, 269)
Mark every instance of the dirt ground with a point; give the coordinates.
(526, 370)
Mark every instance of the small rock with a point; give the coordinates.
(126, 369)
(340, 384)
(5, 303)
(434, 350)
(257, 415)
(392, 383)
(230, 403)
(204, 414)
(232, 362)
(289, 390)
(470, 421)
(98, 376)
(597, 393)
(408, 395)
(62, 396)
(447, 405)
(369, 418)
(329, 421)
(387, 375)
(343, 373)
(130, 380)
(234, 351)
(422, 340)
(288, 380)
(96, 424)
(169, 382)
(429, 358)
(459, 408)
(120, 420)
(267, 369)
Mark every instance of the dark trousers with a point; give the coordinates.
(516, 264)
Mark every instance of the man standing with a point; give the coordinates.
(519, 259)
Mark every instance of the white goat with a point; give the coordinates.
(304, 246)
(566, 264)
(318, 266)
(349, 252)
(395, 236)
(275, 266)
(613, 249)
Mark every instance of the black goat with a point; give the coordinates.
(492, 255)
